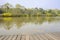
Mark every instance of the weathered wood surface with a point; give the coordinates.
(46, 36)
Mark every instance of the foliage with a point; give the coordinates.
(18, 10)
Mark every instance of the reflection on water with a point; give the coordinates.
(31, 28)
(17, 25)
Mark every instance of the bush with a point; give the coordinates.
(7, 14)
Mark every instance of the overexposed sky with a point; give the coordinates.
(46, 4)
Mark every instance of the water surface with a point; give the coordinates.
(25, 25)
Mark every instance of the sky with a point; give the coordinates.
(46, 4)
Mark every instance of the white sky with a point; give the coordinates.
(46, 4)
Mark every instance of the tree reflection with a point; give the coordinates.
(9, 21)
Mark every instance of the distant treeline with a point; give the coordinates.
(19, 10)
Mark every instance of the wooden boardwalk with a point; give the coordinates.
(46, 36)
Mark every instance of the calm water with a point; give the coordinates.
(29, 25)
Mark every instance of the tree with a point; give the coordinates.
(1, 11)
(42, 11)
(7, 5)
(18, 5)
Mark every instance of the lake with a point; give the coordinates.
(28, 25)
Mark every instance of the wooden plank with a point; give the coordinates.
(48, 37)
(52, 36)
(57, 37)
(2, 37)
(56, 34)
(15, 37)
(11, 36)
(39, 37)
(27, 37)
(44, 38)
(23, 37)
(31, 37)
(6, 38)
(19, 37)
(35, 37)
